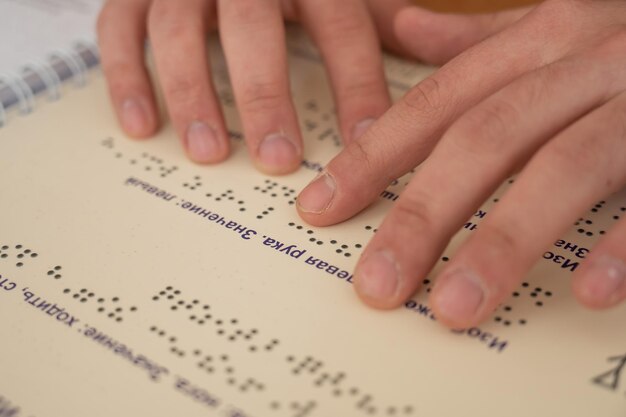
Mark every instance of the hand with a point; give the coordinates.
(253, 37)
(545, 91)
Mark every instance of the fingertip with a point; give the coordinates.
(602, 284)
(378, 280)
(204, 145)
(277, 154)
(421, 34)
(458, 298)
(138, 118)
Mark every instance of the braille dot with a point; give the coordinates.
(76, 295)
(83, 300)
(57, 276)
(100, 300)
(548, 294)
(538, 289)
(339, 251)
(177, 292)
(19, 264)
(507, 308)
(111, 315)
(101, 309)
(169, 288)
(497, 318)
(319, 242)
(66, 290)
(533, 294)
(20, 256)
(522, 322)
(115, 299)
(525, 284)
(155, 298)
(515, 294)
(594, 210)
(539, 304)
(507, 323)
(445, 259)
(18, 247)
(174, 308)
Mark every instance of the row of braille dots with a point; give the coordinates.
(227, 328)
(171, 339)
(152, 162)
(536, 294)
(108, 143)
(312, 122)
(192, 185)
(227, 195)
(55, 272)
(295, 408)
(213, 364)
(274, 190)
(585, 224)
(21, 255)
(113, 311)
(342, 249)
(313, 368)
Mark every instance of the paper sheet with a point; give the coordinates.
(134, 282)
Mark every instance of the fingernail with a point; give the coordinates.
(604, 279)
(459, 295)
(277, 151)
(378, 276)
(134, 118)
(202, 142)
(360, 128)
(318, 195)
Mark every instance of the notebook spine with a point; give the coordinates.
(38, 78)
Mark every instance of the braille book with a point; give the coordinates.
(136, 283)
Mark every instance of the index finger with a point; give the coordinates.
(407, 133)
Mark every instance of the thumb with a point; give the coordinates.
(436, 38)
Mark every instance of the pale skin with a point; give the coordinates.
(539, 91)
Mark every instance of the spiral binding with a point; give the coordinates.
(46, 77)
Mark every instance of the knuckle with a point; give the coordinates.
(166, 21)
(425, 97)
(583, 154)
(485, 130)
(411, 211)
(361, 89)
(263, 95)
(182, 91)
(502, 238)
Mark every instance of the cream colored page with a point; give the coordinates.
(136, 283)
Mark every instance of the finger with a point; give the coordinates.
(531, 216)
(481, 147)
(406, 134)
(438, 37)
(121, 37)
(178, 34)
(384, 14)
(253, 36)
(347, 39)
(601, 281)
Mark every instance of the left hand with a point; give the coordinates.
(545, 91)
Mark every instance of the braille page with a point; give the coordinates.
(135, 283)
